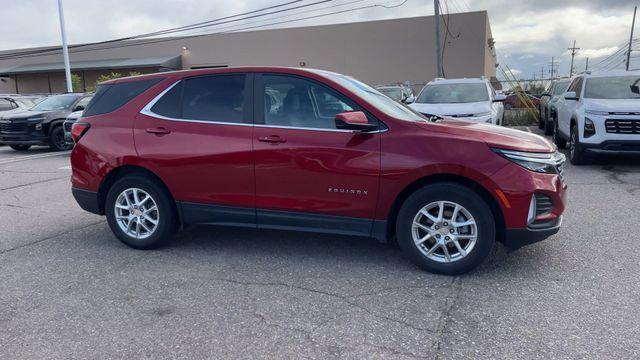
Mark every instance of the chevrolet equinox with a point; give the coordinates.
(309, 150)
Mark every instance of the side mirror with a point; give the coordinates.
(409, 100)
(500, 98)
(78, 108)
(571, 95)
(354, 120)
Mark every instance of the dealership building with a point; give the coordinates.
(376, 52)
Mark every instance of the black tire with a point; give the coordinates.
(20, 147)
(557, 138)
(57, 141)
(507, 106)
(576, 150)
(541, 122)
(472, 202)
(167, 217)
(548, 126)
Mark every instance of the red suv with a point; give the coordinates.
(309, 150)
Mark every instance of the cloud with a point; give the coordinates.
(596, 53)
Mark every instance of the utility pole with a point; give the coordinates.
(586, 66)
(436, 7)
(635, 8)
(551, 71)
(65, 50)
(573, 54)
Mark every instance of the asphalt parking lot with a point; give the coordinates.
(69, 289)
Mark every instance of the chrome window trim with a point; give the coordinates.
(146, 110)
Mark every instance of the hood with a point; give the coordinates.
(25, 114)
(494, 136)
(75, 115)
(466, 109)
(612, 105)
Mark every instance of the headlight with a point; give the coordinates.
(36, 119)
(595, 112)
(549, 163)
(589, 128)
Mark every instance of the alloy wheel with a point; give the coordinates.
(444, 231)
(136, 213)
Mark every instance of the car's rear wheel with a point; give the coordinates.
(20, 147)
(446, 228)
(557, 138)
(57, 141)
(548, 126)
(576, 150)
(140, 212)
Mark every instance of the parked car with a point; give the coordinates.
(600, 112)
(68, 123)
(17, 103)
(158, 152)
(399, 93)
(468, 99)
(513, 101)
(42, 124)
(547, 104)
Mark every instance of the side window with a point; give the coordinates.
(5, 105)
(295, 102)
(216, 98)
(578, 89)
(109, 97)
(169, 104)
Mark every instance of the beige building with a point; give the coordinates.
(376, 52)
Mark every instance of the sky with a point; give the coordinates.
(527, 33)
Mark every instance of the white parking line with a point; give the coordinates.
(33, 157)
(68, 167)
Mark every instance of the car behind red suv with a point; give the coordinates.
(308, 150)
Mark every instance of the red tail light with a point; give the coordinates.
(78, 129)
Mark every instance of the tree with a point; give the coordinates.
(110, 76)
(76, 83)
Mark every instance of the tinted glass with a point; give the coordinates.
(373, 96)
(56, 102)
(83, 102)
(110, 97)
(453, 93)
(169, 103)
(611, 87)
(295, 102)
(5, 105)
(219, 98)
(560, 87)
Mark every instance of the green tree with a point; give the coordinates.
(76, 83)
(111, 76)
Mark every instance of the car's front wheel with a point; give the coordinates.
(557, 138)
(446, 228)
(140, 212)
(576, 150)
(57, 141)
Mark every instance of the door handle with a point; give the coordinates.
(272, 139)
(158, 131)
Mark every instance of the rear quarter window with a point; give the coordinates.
(110, 97)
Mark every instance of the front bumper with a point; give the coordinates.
(614, 147)
(518, 237)
(22, 139)
(88, 200)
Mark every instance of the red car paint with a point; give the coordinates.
(355, 175)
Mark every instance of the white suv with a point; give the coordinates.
(599, 113)
(467, 99)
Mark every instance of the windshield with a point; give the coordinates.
(394, 93)
(560, 88)
(373, 96)
(611, 87)
(453, 93)
(58, 102)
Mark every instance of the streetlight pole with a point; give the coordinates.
(436, 6)
(635, 8)
(65, 50)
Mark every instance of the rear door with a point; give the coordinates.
(197, 137)
(308, 173)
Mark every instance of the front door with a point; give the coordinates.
(308, 173)
(197, 138)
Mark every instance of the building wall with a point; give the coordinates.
(377, 52)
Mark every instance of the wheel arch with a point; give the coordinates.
(125, 170)
(53, 123)
(473, 185)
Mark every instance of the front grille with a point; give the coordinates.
(13, 127)
(544, 204)
(619, 126)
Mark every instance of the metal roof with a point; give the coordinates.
(171, 62)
